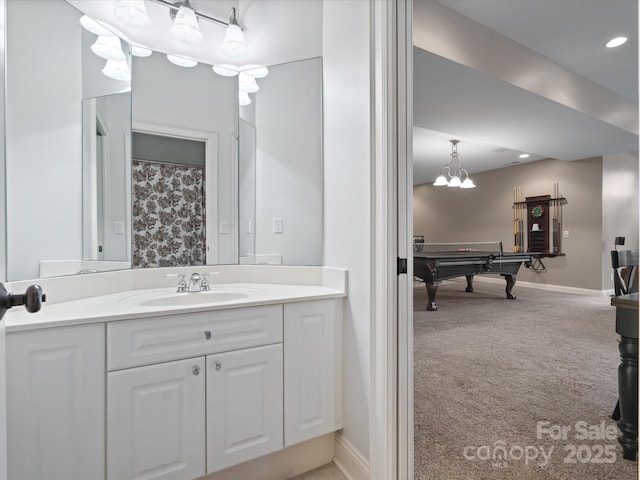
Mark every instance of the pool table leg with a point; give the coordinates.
(431, 292)
(469, 284)
(511, 281)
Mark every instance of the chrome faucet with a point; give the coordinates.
(196, 280)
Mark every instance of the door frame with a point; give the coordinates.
(210, 140)
(391, 414)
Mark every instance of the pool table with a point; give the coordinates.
(433, 267)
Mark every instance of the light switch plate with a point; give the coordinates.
(277, 225)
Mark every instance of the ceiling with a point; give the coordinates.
(497, 118)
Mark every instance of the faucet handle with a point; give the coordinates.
(182, 284)
(204, 283)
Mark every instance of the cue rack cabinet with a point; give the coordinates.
(538, 220)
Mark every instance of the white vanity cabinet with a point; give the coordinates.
(244, 405)
(56, 403)
(172, 397)
(210, 397)
(312, 369)
(156, 421)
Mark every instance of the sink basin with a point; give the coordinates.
(170, 298)
(197, 298)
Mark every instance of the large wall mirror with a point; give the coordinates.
(93, 165)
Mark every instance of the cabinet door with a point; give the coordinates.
(155, 421)
(244, 405)
(55, 403)
(311, 369)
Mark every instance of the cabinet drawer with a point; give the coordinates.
(144, 341)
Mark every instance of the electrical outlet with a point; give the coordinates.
(565, 234)
(224, 227)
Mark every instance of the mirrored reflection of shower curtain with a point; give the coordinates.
(168, 215)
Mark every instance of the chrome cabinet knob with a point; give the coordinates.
(207, 335)
(217, 366)
(195, 370)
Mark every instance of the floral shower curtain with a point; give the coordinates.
(168, 215)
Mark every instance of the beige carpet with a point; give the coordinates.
(489, 372)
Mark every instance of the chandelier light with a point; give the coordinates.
(456, 176)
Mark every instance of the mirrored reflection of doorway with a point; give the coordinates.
(168, 201)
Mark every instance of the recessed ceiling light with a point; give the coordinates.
(523, 155)
(615, 42)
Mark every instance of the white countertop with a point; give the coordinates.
(98, 305)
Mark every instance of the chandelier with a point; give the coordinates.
(456, 176)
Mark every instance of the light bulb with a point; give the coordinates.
(440, 181)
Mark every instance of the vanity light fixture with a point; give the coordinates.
(454, 171)
(132, 13)
(185, 24)
(140, 51)
(182, 61)
(247, 83)
(243, 98)
(117, 69)
(95, 27)
(234, 44)
(108, 47)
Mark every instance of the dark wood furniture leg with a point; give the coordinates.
(627, 328)
(432, 289)
(511, 281)
(469, 284)
(628, 392)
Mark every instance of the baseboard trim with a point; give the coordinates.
(542, 286)
(349, 460)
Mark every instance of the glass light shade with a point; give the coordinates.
(440, 181)
(182, 61)
(132, 13)
(247, 83)
(234, 44)
(243, 98)
(226, 70)
(117, 69)
(185, 26)
(108, 48)
(468, 183)
(454, 182)
(138, 51)
(95, 27)
(256, 71)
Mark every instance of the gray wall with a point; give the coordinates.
(619, 206)
(485, 213)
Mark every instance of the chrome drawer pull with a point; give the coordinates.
(207, 335)
(217, 366)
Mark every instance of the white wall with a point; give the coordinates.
(43, 135)
(289, 162)
(192, 98)
(619, 207)
(115, 109)
(347, 195)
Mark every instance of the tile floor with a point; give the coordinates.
(327, 472)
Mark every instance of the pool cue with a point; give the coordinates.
(515, 220)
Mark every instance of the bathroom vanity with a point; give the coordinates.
(146, 383)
